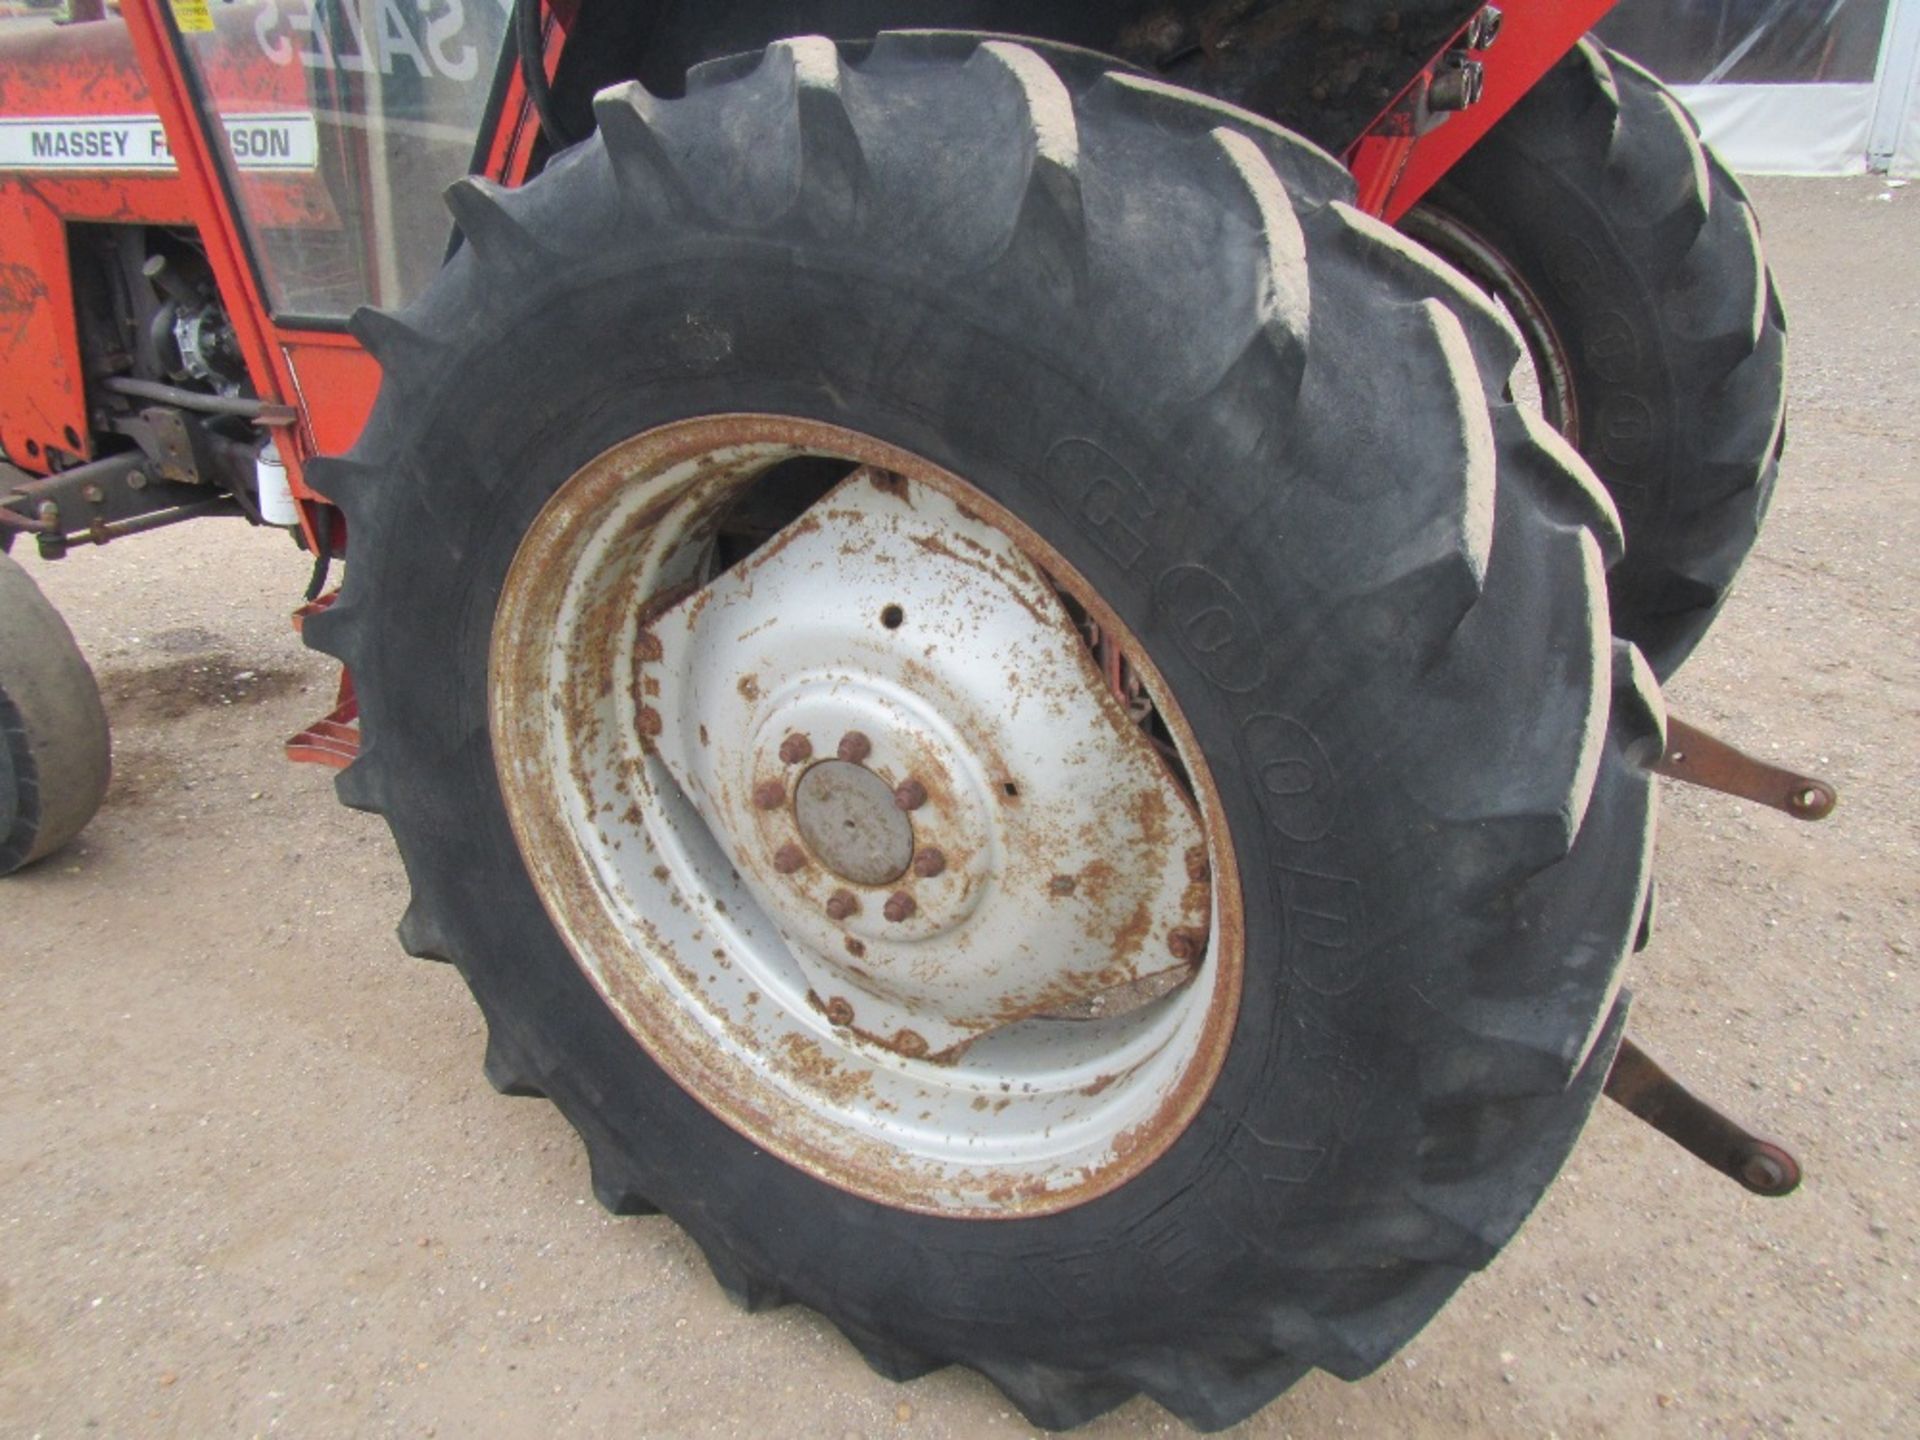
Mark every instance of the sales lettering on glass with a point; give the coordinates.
(427, 37)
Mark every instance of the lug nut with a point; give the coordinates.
(855, 747)
(1186, 943)
(795, 748)
(841, 904)
(899, 906)
(789, 858)
(770, 794)
(839, 1012)
(909, 795)
(929, 863)
(910, 1043)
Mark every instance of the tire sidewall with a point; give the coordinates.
(1606, 316)
(16, 820)
(744, 327)
(1643, 253)
(55, 753)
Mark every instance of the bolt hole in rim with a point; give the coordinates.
(806, 959)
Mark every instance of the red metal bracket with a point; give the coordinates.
(334, 739)
(1395, 164)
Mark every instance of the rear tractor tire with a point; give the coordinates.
(975, 674)
(54, 751)
(1632, 261)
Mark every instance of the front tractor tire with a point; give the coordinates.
(944, 447)
(54, 752)
(1632, 261)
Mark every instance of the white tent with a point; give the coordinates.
(1795, 87)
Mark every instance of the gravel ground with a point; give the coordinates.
(251, 1181)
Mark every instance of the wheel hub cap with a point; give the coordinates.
(846, 815)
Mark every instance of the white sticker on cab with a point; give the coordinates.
(282, 140)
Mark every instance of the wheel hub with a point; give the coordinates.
(989, 736)
(855, 836)
(847, 817)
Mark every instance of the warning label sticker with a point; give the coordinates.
(283, 141)
(193, 17)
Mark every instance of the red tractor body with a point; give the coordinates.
(966, 629)
(110, 124)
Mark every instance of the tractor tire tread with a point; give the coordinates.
(55, 755)
(1504, 642)
(1646, 254)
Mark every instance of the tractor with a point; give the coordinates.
(1016, 646)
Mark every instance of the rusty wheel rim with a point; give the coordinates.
(1543, 381)
(789, 819)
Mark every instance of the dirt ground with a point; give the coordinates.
(251, 1180)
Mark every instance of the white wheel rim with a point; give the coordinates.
(678, 751)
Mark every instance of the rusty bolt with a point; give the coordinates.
(899, 907)
(854, 747)
(1186, 943)
(856, 949)
(929, 863)
(795, 748)
(909, 794)
(910, 1043)
(789, 858)
(841, 904)
(1457, 86)
(770, 794)
(1198, 870)
(839, 1012)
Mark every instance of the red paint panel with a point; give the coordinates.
(334, 383)
(68, 71)
(42, 402)
(71, 70)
